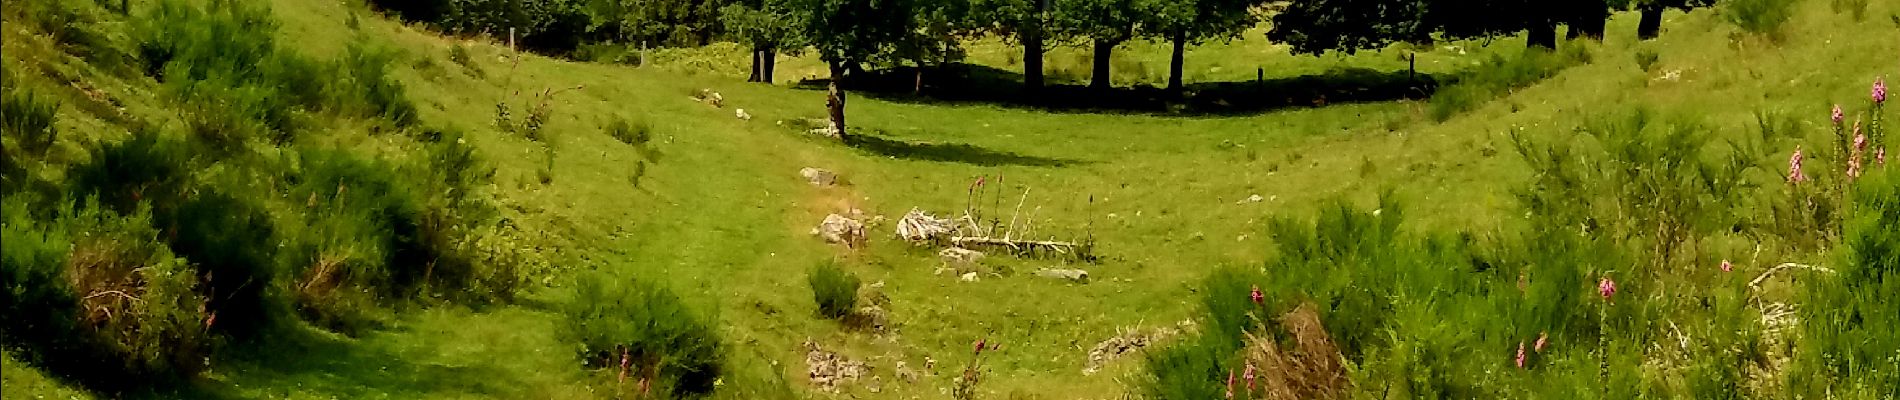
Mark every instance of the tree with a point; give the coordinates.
(678, 23)
(1185, 22)
(1318, 26)
(850, 33)
(767, 27)
(941, 26)
(1026, 22)
(1650, 25)
(1104, 24)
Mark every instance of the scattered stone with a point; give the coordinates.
(968, 277)
(742, 115)
(829, 370)
(1072, 275)
(918, 226)
(1251, 199)
(961, 260)
(838, 229)
(710, 97)
(905, 373)
(1128, 341)
(818, 176)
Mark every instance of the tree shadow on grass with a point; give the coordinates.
(947, 152)
(297, 361)
(978, 84)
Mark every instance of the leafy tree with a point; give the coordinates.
(850, 33)
(677, 23)
(1024, 21)
(768, 27)
(1104, 24)
(941, 26)
(1187, 22)
(1650, 25)
(1318, 26)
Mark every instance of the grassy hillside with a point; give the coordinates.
(712, 207)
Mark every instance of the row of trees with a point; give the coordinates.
(851, 35)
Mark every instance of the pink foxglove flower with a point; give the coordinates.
(1606, 287)
(1520, 355)
(1880, 90)
(1837, 115)
(1794, 168)
(1543, 339)
(1230, 384)
(1854, 155)
(1726, 266)
(1248, 376)
(1880, 156)
(1257, 297)
(979, 346)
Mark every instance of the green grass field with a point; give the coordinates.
(721, 215)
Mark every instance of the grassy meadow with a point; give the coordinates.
(712, 208)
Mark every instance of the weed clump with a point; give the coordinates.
(1499, 75)
(835, 290)
(645, 334)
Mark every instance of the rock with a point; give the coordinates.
(1251, 199)
(904, 372)
(968, 277)
(828, 370)
(918, 226)
(1072, 275)
(960, 259)
(838, 229)
(818, 176)
(1128, 341)
(710, 97)
(742, 115)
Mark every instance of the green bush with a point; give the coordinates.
(1499, 75)
(142, 168)
(1763, 17)
(644, 332)
(1183, 370)
(835, 290)
(1848, 317)
(367, 87)
(1646, 59)
(636, 133)
(26, 120)
(94, 296)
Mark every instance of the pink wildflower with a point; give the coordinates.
(626, 363)
(1837, 116)
(1880, 156)
(1854, 157)
(1726, 266)
(979, 346)
(1520, 355)
(1794, 168)
(1543, 338)
(1248, 375)
(1880, 90)
(1606, 287)
(1257, 297)
(1230, 384)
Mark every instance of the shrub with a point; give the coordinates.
(142, 168)
(1646, 59)
(93, 295)
(1499, 75)
(644, 332)
(460, 55)
(1847, 340)
(366, 87)
(1183, 370)
(233, 244)
(635, 133)
(835, 290)
(1762, 17)
(26, 118)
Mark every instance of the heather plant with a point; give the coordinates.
(835, 290)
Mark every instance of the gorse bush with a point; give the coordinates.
(1849, 347)
(92, 295)
(835, 290)
(646, 335)
(1764, 17)
(1498, 75)
(26, 119)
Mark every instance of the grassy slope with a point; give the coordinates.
(722, 216)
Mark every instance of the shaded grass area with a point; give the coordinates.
(961, 153)
(968, 84)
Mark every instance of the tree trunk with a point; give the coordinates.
(771, 66)
(1032, 59)
(1175, 63)
(1098, 79)
(1542, 35)
(1590, 27)
(757, 65)
(1651, 24)
(834, 101)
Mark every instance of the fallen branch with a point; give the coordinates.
(1014, 244)
(1756, 284)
